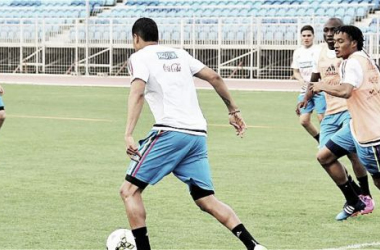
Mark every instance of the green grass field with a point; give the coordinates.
(62, 160)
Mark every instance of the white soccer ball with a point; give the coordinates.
(260, 247)
(121, 239)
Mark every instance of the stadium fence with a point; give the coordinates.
(243, 48)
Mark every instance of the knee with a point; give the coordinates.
(305, 122)
(205, 206)
(202, 197)
(2, 115)
(125, 193)
(324, 159)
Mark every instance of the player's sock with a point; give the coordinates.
(316, 137)
(241, 232)
(141, 238)
(355, 186)
(349, 193)
(363, 182)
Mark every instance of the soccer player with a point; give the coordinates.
(302, 66)
(326, 68)
(2, 110)
(360, 85)
(177, 142)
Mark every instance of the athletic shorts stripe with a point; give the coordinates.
(145, 151)
(376, 152)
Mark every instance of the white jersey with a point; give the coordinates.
(170, 90)
(303, 60)
(351, 71)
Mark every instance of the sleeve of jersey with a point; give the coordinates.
(294, 62)
(195, 65)
(351, 72)
(138, 68)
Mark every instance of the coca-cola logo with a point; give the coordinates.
(175, 67)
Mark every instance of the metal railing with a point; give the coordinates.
(244, 48)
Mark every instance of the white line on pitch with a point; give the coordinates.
(60, 118)
(356, 246)
(251, 126)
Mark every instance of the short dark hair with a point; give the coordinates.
(307, 27)
(336, 20)
(353, 32)
(146, 28)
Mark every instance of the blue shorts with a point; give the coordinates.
(331, 124)
(1, 103)
(165, 152)
(317, 103)
(368, 156)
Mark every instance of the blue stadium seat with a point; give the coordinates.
(340, 12)
(361, 12)
(320, 12)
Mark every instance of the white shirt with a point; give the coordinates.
(303, 60)
(351, 71)
(170, 90)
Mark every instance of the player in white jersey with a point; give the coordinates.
(177, 142)
(302, 66)
(2, 110)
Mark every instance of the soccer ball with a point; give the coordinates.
(121, 239)
(260, 247)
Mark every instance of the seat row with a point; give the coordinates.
(58, 3)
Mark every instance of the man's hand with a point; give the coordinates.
(316, 88)
(1, 91)
(300, 105)
(236, 120)
(132, 150)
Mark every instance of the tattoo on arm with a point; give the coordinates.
(226, 101)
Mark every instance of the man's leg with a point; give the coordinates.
(305, 121)
(320, 117)
(376, 180)
(360, 173)
(134, 206)
(320, 106)
(227, 217)
(2, 117)
(332, 166)
(370, 158)
(329, 161)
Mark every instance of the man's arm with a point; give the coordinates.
(220, 87)
(351, 73)
(135, 105)
(309, 93)
(1, 90)
(343, 90)
(297, 76)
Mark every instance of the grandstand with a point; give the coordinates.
(240, 39)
